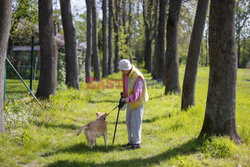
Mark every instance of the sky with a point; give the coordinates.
(79, 7)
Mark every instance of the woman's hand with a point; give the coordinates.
(126, 100)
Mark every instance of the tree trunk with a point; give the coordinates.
(148, 23)
(95, 43)
(116, 31)
(89, 42)
(172, 61)
(105, 40)
(124, 16)
(160, 43)
(129, 32)
(148, 51)
(110, 38)
(156, 15)
(48, 51)
(188, 90)
(72, 79)
(5, 22)
(238, 54)
(221, 97)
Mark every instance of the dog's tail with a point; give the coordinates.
(85, 126)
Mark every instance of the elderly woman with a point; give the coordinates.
(136, 95)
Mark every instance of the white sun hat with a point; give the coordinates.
(124, 64)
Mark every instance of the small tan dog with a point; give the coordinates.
(95, 129)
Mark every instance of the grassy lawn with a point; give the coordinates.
(48, 138)
(16, 89)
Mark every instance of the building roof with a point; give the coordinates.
(59, 38)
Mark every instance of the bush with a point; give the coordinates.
(16, 114)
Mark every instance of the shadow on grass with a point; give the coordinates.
(144, 121)
(62, 126)
(190, 147)
(156, 97)
(81, 148)
(104, 101)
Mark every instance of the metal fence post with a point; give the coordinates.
(23, 82)
(31, 61)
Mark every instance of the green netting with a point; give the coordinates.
(21, 60)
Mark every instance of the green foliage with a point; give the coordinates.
(219, 147)
(123, 46)
(81, 66)
(81, 27)
(242, 31)
(18, 115)
(25, 137)
(61, 68)
(27, 11)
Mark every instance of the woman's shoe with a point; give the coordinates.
(134, 146)
(127, 145)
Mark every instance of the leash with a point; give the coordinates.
(119, 106)
(112, 110)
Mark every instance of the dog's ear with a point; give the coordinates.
(97, 114)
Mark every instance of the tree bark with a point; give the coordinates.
(105, 41)
(172, 61)
(72, 79)
(188, 90)
(124, 15)
(160, 42)
(156, 15)
(89, 42)
(110, 38)
(221, 97)
(48, 51)
(148, 23)
(128, 40)
(95, 43)
(116, 31)
(5, 22)
(148, 51)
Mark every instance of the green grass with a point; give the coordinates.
(37, 138)
(16, 89)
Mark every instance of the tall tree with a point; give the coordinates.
(89, 41)
(172, 61)
(105, 40)
(5, 22)
(124, 15)
(160, 42)
(110, 38)
(72, 79)
(188, 90)
(149, 26)
(242, 15)
(48, 51)
(95, 43)
(129, 30)
(156, 15)
(221, 97)
(116, 31)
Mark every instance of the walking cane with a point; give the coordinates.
(121, 104)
